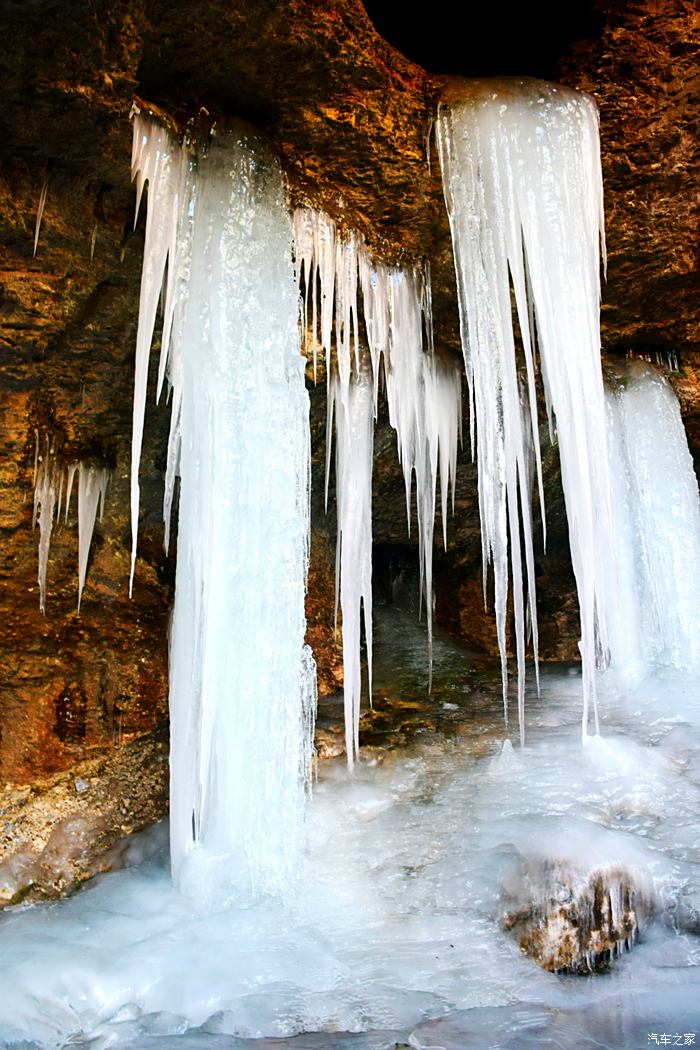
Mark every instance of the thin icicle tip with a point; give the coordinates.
(92, 489)
(40, 213)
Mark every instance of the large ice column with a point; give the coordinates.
(241, 679)
(654, 586)
(521, 174)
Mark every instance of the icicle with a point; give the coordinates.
(315, 255)
(521, 175)
(92, 486)
(46, 483)
(40, 213)
(69, 485)
(61, 476)
(425, 405)
(36, 454)
(242, 683)
(160, 162)
(354, 409)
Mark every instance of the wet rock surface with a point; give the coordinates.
(58, 831)
(575, 920)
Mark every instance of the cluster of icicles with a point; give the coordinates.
(521, 173)
(424, 399)
(51, 479)
(522, 182)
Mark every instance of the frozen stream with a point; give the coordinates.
(395, 930)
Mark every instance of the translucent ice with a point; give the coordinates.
(654, 608)
(50, 477)
(47, 483)
(92, 489)
(40, 212)
(354, 422)
(241, 679)
(337, 272)
(521, 174)
(399, 914)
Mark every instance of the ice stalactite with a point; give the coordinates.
(521, 174)
(354, 425)
(40, 213)
(336, 273)
(158, 160)
(92, 489)
(242, 682)
(424, 397)
(654, 575)
(47, 483)
(51, 478)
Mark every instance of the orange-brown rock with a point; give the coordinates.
(575, 920)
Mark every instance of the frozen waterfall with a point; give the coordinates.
(521, 174)
(219, 238)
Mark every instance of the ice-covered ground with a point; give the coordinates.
(395, 928)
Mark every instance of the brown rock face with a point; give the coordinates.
(645, 76)
(350, 117)
(60, 830)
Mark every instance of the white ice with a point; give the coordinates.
(397, 914)
(92, 489)
(654, 586)
(341, 281)
(521, 174)
(47, 484)
(50, 476)
(353, 404)
(241, 679)
(40, 212)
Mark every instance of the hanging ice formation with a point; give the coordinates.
(522, 182)
(40, 212)
(48, 481)
(50, 476)
(92, 488)
(242, 683)
(654, 584)
(335, 272)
